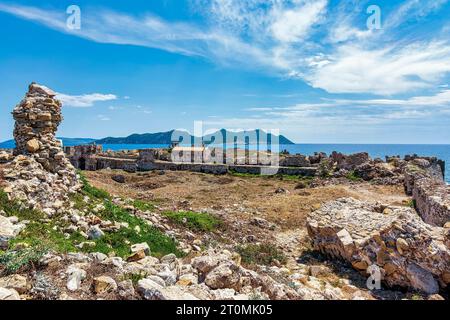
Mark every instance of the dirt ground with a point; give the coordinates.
(240, 199)
(277, 200)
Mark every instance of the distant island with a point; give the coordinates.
(148, 138)
(166, 137)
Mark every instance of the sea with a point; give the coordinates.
(440, 151)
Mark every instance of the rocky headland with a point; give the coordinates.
(132, 228)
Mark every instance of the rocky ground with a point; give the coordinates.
(246, 238)
(181, 235)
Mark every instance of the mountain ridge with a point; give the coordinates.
(166, 137)
(145, 138)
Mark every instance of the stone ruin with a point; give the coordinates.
(39, 175)
(410, 248)
(407, 251)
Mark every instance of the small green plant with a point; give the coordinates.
(134, 277)
(135, 231)
(49, 232)
(13, 261)
(260, 254)
(143, 205)
(416, 297)
(325, 168)
(194, 220)
(352, 176)
(15, 208)
(92, 191)
(411, 203)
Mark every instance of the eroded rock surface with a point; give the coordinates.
(408, 252)
(425, 182)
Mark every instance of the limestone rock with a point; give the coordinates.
(141, 247)
(16, 282)
(126, 289)
(204, 264)
(75, 276)
(224, 276)
(32, 146)
(104, 284)
(95, 233)
(8, 294)
(409, 252)
(151, 290)
(8, 230)
(424, 181)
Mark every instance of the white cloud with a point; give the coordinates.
(319, 42)
(85, 100)
(102, 117)
(294, 25)
(384, 71)
(440, 99)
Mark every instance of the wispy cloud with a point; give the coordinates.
(318, 42)
(102, 117)
(85, 100)
(338, 113)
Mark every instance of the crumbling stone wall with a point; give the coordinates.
(424, 181)
(40, 175)
(84, 157)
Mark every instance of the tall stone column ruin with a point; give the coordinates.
(40, 175)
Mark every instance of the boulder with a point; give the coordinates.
(151, 290)
(74, 278)
(16, 282)
(32, 145)
(408, 252)
(226, 275)
(119, 178)
(8, 231)
(141, 247)
(205, 264)
(104, 284)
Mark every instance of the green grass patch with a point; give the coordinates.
(38, 232)
(275, 176)
(15, 208)
(20, 260)
(92, 191)
(260, 254)
(352, 176)
(194, 220)
(143, 205)
(138, 231)
(42, 231)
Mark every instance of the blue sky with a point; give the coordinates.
(312, 69)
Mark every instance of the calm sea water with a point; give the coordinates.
(374, 150)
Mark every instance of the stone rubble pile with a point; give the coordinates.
(9, 228)
(40, 175)
(408, 252)
(214, 275)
